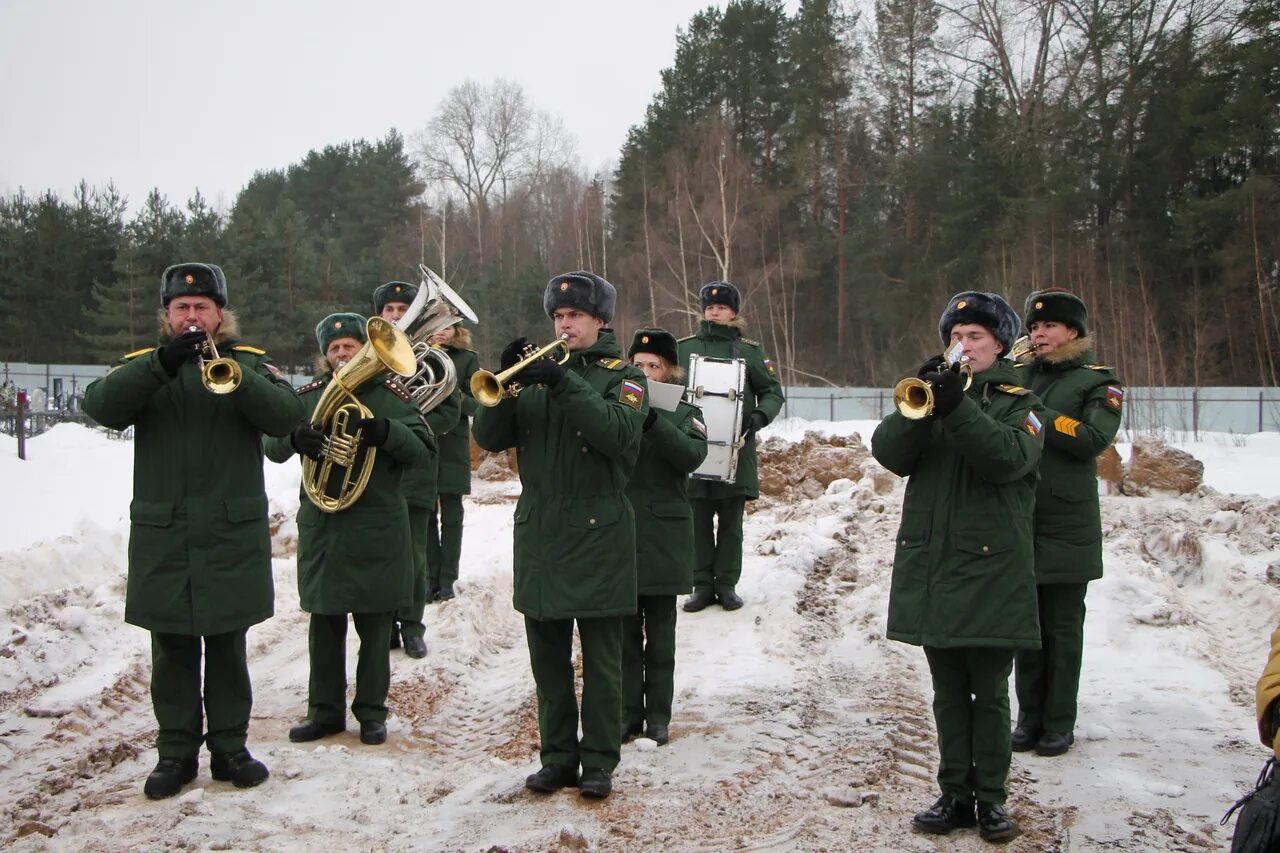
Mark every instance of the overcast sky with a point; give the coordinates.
(179, 95)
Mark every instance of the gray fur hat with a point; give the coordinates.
(985, 309)
(720, 293)
(342, 325)
(193, 279)
(583, 290)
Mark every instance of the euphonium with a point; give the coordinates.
(913, 397)
(1023, 349)
(435, 307)
(489, 388)
(387, 348)
(219, 375)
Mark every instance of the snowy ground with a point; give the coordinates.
(797, 725)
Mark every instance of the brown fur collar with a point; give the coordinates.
(228, 331)
(1070, 351)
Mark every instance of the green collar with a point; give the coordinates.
(606, 346)
(719, 331)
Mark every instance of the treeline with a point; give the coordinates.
(849, 169)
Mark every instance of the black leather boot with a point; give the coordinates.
(948, 813)
(1054, 743)
(552, 778)
(657, 734)
(596, 783)
(1024, 738)
(239, 768)
(373, 732)
(730, 600)
(630, 730)
(170, 776)
(994, 823)
(415, 647)
(700, 600)
(309, 730)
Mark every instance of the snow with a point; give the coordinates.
(797, 725)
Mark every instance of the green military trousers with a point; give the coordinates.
(176, 693)
(444, 542)
(551, 658)
(649, 661)
(410, 618)
(327, 690)
(1048, 680)
(971, 711)
(717, 548)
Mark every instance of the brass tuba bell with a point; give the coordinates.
(436, 306)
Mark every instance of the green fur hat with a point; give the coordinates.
(393, 291)
(193, 279)
(1058, 305)
(659, 342)
(342, 325)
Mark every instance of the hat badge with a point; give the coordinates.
(714, 291)
(961, 304)
(564, 285)
(1039, 305)
(190, 279)
(644, 339)
(397, 288)
(337, 324)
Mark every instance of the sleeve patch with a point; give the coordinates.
(771, 367)
(1033, 423)
(1065, 425)
(631, 393)
(1115, 396)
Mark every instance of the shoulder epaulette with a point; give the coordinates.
(399, 390)
(686, 338)
(311, 386)
(249, 349)
(1018, 364)
(749, 341)
(1097, 366)
(612, 363)
(1015, 390)
(136, 353)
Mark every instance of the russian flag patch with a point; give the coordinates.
(1115, 396)
(631, 393)
(1033, 423)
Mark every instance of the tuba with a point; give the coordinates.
(436, 306)
(490, 388)
(913, 397)
(337, 410)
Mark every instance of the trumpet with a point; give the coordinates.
(1023, 349)
(489, 388)
(219, 375)
(913, 397)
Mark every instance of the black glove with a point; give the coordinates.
(308, 440)
(544, 371)
(181, 349)
(948, 391)
(512, 353)
(373, 431)
(755, 423)
(933, 365)
(650, 418)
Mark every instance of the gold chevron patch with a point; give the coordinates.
(1065, 425)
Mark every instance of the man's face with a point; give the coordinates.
(718, 313)
(340, 351)
(199, 311)
(979, 344)
(1048, 335)
(582, 328)
(653, 366)
(394, 310)
(445, 335)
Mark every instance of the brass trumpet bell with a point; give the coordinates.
(218, 375)
(913, 397)
(490, 388)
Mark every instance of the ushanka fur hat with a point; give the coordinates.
(659, 342)
(336, 326)
(720, 293)
(583, 290)
(393, 291)
(1058, 305)
(193, 279)
(984, 309)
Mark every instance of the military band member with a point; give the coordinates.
(444, 525)
(391, 301)
(356, 561)
(199, 548)
(963, 586)
(576, 429)
(674, 444)
(1082, 415)
(718, 507)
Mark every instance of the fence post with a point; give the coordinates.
(20, 425)
(831, 406)
(1259, 411)
(1195, 413)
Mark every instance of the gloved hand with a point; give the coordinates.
(511, 354)
(181, 349)
(544, 371)
(755, 423)
(373, 431)
(307, 440)
(933, 365)
(650, 418)
(948, 391)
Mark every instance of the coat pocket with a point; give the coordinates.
(252, 508)
(982, 543)
(670, 509)
(914, 529)
(151, 513)
(1073, 489)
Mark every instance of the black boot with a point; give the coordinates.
(729, 600)
(630, 730)
(948, 813)
(657, 734)
(1024, 738)
(596, 783)
(309, 730)
(552, 778)
(994, 823)
(445, 593)
(373, 732)
(239, 768)
(700, 600)
(169, 777)
(1054, 743)
(415, 647)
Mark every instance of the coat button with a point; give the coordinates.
(584, 448)
(986, 549)
(591, 521)
(578, 433)
(903, 542)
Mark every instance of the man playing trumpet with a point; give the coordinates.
(576, 428)
(963, 585)
(357, 560)
(199, 548)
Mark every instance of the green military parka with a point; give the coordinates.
(419, 483)
(1082, 415)
(962, 572)
(762, 393)
(577, 443)
(360, 560)
(672, 447)
(199, 545)
(455, 445)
